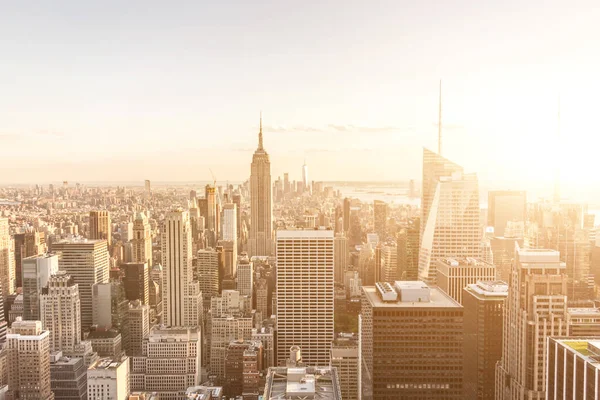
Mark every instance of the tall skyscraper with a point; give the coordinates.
(147, 188)
(211, 216)
(261, 211)
(536, 308)
(245, 275)
(100, 226)
(28, 351)
(388, 262)
(505, 206)
(87, 263)
(7, 260)
(182, 303)
(380, 211)
(237, 200)
(411, 342)
(61, 312)
(484, 305)
(36, 272)
(454, 274)
(142, 240)
(452, 224)
(305, 294)
(434, 167)
(346, 214)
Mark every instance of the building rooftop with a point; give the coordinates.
(107, 363)
(306, 233)
(204, 392)
(465, 262)
(297, 383)
(409, 290)
(586, 348)
(488, 290)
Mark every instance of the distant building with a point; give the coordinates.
(455, 274)
(340, 260)
(505, 206)
(484, 306)
(407, 244)
(100, 226)
(86, 261)
(408, 326)
(108, 378)
(136, 281)
(380, 211)
(36, 272)
(142, 240)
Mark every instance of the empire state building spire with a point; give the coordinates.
(260, 135)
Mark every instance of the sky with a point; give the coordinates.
(126, 91)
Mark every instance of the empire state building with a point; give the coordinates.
(261, 218)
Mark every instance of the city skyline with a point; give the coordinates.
(500, 92)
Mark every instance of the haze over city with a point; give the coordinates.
(117, 91)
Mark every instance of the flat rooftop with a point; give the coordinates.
(296, 383)
(438, 299)
(107, 363)
(305, 233)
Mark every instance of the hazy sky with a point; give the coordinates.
(129, 90)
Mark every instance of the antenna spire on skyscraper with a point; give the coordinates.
(260, 134)
(440, 122)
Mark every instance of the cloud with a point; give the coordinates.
(335, 129)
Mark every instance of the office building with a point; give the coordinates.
(181, 300)
(310, 382)
(407, 244)
(344, 357)
(142, 240)
(262, 296)
(434, 168)
(106, 342)
(68, 377)
(261, 210)
(484, 305)
(229, 256)
(27, 244)
(452, 224)
(305, 176)
(110, 307)
(28, 358)
(340, 260)
(305, 294)
(138, 316)
(245, 275)
(170, 362)
(136, 281)
(60, 310)
(455, 274)
(86, 261)
(503, 250)
(229, 230)
(147, 189)
(3, 323)
(207, 271)
(36, 272)
(346, 214)
(380, 211)
(7, 260)
(411, 342)
(537, 305)
(505, 206)
(224, 329)
(573, 369)
(267, 337)
(100, 226)
(108, 378)
(243, 361)
(388, 262)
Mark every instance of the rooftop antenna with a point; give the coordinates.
(440, 122)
